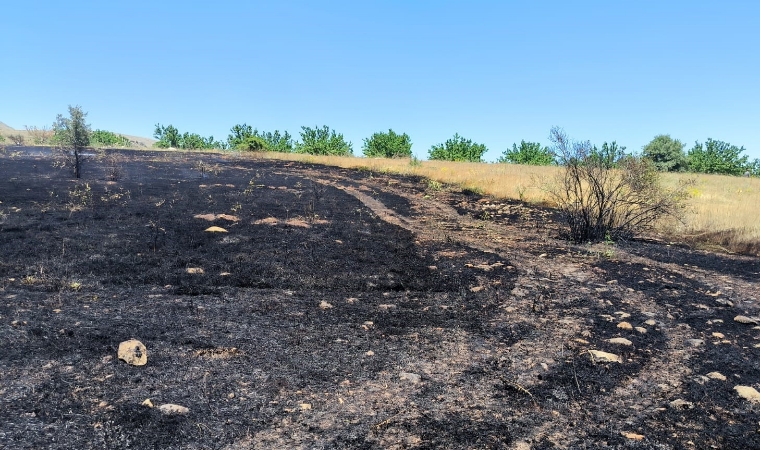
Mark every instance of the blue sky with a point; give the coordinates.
(495, 72)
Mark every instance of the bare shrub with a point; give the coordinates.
(601, 201)
(16, 139)
(39, 136)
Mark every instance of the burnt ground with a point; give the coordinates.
(349, 309)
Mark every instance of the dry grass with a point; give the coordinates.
(722, 210)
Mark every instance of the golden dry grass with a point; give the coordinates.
(722, 210)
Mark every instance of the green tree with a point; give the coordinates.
(168, 137)
(323, 141)
(388, 145)
(244, 137)
(610, 155)
(102, 138)
(666, 153)
(458, 149)
(717, 157)
(72, 134)
(531, 153)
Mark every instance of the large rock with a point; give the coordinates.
(748, 393)
(620, 341)
(171, 409)
(133, 352)
(600, 356)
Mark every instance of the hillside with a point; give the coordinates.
(142, 142)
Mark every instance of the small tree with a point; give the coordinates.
(388, 145)
(599, 201)
(244, 137)
(168, 137)
(457, 149)
(531, 153)
(102, 138)
(72, 135)
(323, 141)
(666, 153)
(717, 157)
(16, 139)
(40, 136)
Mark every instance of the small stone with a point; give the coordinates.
(133, 352)
(724, 302)
(305, 406)
(215, 229)
(386, 307)
(716, 376)
(745, 320)
(651, 322)
(171, 409)
(370, 353)
(625, 326)
(324, 305)
(622, 314)
(681, 404)
(718, 335)
(634, 436)
(695, 342)
(641, 330)
(748, 393)
(231, 395)
(620, 341)
(600, 356)
(196, 270)
(476, 288)
(410, 377)
(147, 403)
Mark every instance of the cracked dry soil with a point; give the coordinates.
(350, 309)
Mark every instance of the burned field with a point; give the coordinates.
(350, 309)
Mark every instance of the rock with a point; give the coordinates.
(620, 341)
(695, 342)
(748, 393)
(386, 307)
(641, 330)
(681, 404)
(716, 376)
(625, 326)
(197, 270)
(133, 352)
(410, 377)
(324, 305)
(171, 409)
(215, 229)
(147, 403)
(718, 335)
(724, 302)
(634, 436)
(370, 353)
(600, 356)
(745, 320)
(305, 406)
(651, 322)
(622, 314)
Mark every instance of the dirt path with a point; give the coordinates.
(347, 309)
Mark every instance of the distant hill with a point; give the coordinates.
(5, 130)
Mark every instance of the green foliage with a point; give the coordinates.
(600, 200)
(2, 139)
(72, 132)
(102, 138)
(243, 137)
(666, 153)
(323, 141)
(169, 137)
(457, 149)
(717, 157)
(528, 153)
(388, 145)
(753, 168)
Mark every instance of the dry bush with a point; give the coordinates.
(16, 139)
(39, 136)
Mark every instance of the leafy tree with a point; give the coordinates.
(244, 137)
(598, 201)
(169, 137)
(610, 155)
(666, 153)
(323, 141)
(458, 149)
(754, 168)
(531, 153)
(102, 138)
(72, 135)
(388, 145)
(717, 157)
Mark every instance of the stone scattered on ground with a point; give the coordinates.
(324, 305)
(625, 326)
(196, 270)
(634, 436)
(641, 330)
(718, 335)
(695, 342)
(170, 409)
(651, 322)
(745, 320)
(410, 377)
(716, 376)
(215, 229)
(620, 341)
(147, 403)
(724, 302)
(133, 352)
(622, 314)
(748, 393)
(601, 356)
(681, 404)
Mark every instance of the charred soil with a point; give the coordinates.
(350, 309)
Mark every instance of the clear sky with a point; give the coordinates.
(495, 72)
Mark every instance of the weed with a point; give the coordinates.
(80, 196)
(434, 185)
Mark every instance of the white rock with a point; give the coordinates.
(625, 326)
(324, 305)
(600, 356)
(681, 404)
(651, 322)
(716, 376)
(133, 352)
(620, 341)
(171, 409)
(718, 335)
(695, 342)
(745, 319)
(641, 330)
(748, 393)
